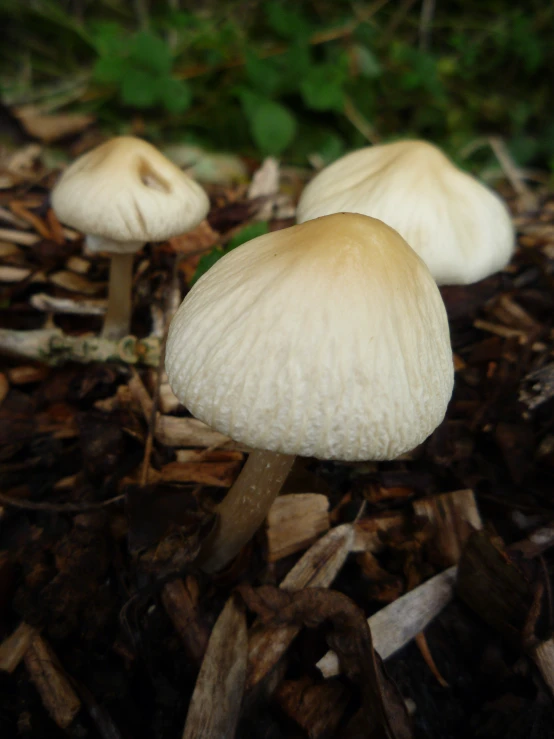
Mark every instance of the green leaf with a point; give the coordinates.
(285, 21)
(322, 88)
(139, 89)
(206, 262)
(150, 53)
(247, 233)
(110, 69)
(264, 74)
(272, 125)
(175, 94)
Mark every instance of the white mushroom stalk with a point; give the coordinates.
(328, 339)
(122, 195)
(458, 226)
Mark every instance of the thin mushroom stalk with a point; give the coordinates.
(245, 507)
(117, 321)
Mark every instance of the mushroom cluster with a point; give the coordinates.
(327, 339)
(122, 195)
(460, 228)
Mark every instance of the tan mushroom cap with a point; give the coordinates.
(326, 339)
(459, 227)
(125, 193)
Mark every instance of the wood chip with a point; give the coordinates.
(18, 237)
(453, 517)
(26, 374)
(13, 274)
(50, 304)
(8, 217)
(49, 127)
(58, 697)
(315, 569)
(9, 250)
(172, 431)
(208, 455)
(180, 601)
(169, 402)
(317, 709)
(294, 522)
(36, 222)
(4, 387)
(13, 648)
(218, 474)
(543, 657)
(398, 623)
(215, 705)
(78, 264)
(76, 283)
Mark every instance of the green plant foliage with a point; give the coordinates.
(245, 234)
(295, 80)
(139, 66)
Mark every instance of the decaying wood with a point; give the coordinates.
(294, 522)
(58, 696)
(317, 568)
(398, 623)
(50, 304)
(384, 710)
(53, 347)
(179, 432)
(18, 237)
(4, 387)
(543, 656)
(453, 517)
(180, 601)
(215, 705)
(317, 708)
(368, 531)
(496, 588)
(13, 648)
(13, 274)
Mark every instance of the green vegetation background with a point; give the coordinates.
(295, 79)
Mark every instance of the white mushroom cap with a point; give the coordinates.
(327, 339)
(460, 228)
(125, 193)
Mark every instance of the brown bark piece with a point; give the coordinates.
(317, 709)
(58, 697)
(294, 522)
(453, 518)
(180, 601)
(13, 648)
(215, 705)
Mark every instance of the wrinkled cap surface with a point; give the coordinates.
(126, 191)
(460, 228)
(326, 339)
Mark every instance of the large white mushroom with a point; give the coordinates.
(121, 195)
(327, 339)
(458, 226)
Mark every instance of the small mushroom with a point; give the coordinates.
(121, 195)
(458, 226)
(327, 339)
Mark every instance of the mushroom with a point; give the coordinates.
(121, 195)
(459, 227)
(327, 339)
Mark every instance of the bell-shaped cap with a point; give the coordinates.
(125, 193)
(458, 226)
(327, 339)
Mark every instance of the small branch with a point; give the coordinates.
(359, 122)
(53, 347)
(29, 505)
(526, 196)
(425, 21)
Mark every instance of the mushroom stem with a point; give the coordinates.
(245, 507)
(117, 322)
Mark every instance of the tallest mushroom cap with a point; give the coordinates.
(127, 191)
(458, 226)
(327, 339)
